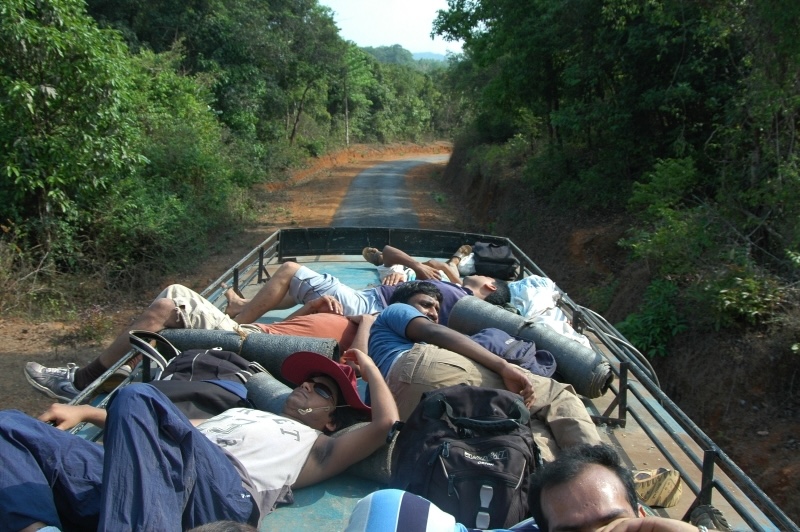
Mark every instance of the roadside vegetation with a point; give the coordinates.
(682, 115)
(131, 132)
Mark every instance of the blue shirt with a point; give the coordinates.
(387, 338)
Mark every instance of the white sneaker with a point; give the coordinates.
(54, 382)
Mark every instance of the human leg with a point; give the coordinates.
(273, 295)
(189, 481)
(65, 383)
(294, 284)
(47, 475)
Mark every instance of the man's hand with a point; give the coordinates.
(393, 279)
(65, 417)
(325, 304)
(516, 381)
(648, 524)
(362, 318)
(359, 361)
(426, 273)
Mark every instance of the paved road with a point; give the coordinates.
(377, 197)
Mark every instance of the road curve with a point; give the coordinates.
(377, 197)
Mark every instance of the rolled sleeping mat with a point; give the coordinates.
(377, 466)
(185, 339)
(270, 350)
(585, 369)
(267, 393)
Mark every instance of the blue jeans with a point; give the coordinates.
(154, 472)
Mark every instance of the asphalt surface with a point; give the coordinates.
(377, 197)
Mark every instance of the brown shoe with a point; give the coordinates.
(460, 253)
(660, 487)
(372, 255)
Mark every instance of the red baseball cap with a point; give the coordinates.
(299, 367)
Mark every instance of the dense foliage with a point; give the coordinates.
(685, 113)
(129, 130)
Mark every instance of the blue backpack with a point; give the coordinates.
(517, 351)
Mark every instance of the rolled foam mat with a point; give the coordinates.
(267, 393)
(269, 350)
(185, 339)
(585, 369)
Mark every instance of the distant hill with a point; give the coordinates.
(430, 55)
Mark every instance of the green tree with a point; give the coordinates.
(64, 135)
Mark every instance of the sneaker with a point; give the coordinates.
(463, 251)
(660, 487)
(55, 382)
(709, 517)
(372, 255)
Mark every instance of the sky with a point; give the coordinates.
(387, 22)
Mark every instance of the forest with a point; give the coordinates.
(131, 131)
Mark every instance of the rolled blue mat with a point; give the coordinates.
(269, 350)
(585, 369)
(267, 393)
(185, 339)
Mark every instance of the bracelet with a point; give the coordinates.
(701, 528)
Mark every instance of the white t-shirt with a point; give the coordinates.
(272, 449)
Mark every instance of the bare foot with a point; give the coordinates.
(235, 303)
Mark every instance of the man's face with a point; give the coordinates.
(319, 393)
(479, 284)
(426, 304)
(592, 500)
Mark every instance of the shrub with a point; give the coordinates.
(651, 328)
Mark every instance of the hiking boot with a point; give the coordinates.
(372, 255)
(460, 253)
(660, 487)
(54, 382)
(709, 517)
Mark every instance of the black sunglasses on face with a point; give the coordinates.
(323, 391)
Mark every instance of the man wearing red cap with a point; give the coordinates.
(156, 471)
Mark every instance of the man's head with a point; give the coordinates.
(584, 489)
(326, 397)
(421, 295)
(489, 289)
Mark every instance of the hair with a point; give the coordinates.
(224, 526)
(344, 417)
(406, 291)
(501, 296)
(571, 463)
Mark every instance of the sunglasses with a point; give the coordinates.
(323, 391)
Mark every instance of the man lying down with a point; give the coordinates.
(156, 471)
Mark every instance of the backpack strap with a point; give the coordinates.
(140, 341)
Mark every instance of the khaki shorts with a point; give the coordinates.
(558, 417)
(196, 312)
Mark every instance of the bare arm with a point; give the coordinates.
(337, 454)
(392, 256)
(361, 339)
(65, 417)
(423, 330)
(324, 304)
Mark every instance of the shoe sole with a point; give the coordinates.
(661, 491)
(47, 391)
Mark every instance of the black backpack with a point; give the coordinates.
(495, 260)
(200, 382)
(468, 450)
